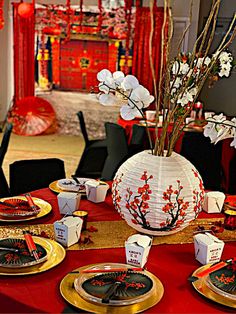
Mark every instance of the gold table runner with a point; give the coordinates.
(113, 234)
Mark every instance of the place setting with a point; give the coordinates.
(73, 184)
(23, 208)
(111, 288)
(217, 282)
(27, 255)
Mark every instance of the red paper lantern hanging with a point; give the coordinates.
(50, 30)
(26, 10)
(1, 15)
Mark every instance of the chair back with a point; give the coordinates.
(232, 176)
(205, 156)
(138, 139)
(4, 188)
(83, 127)
(117, 148)
(34, 174)
(5, 142)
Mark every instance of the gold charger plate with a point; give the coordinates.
(201, 287)
(69, 293)
(55, 255)
(45, 209)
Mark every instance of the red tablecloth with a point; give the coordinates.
(127, 125)
(172, 264)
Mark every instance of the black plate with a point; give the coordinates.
(22, 258)
(224, 279)
(131, 285)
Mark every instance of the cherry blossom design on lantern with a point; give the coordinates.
(175, 207)
(138, 206)
(198, 197)
(116, 195)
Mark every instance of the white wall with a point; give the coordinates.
(6, 63)
(222, 97)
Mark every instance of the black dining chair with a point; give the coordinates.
(232, 176)
(4, 188)
(5, 142)
(205, 156)
(117, 148)
(138, 139)
(94, 154)
(34, 174)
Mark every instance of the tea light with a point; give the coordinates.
(83, 215)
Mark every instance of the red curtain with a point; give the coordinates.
(23, 32)
(141, 64)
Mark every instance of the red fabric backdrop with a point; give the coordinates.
(141, 64)
(23, 32)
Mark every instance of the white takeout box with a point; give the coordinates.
(68, 202)
(96, 191)
(213, 202)
(208, 248)
(68, 230)
(137, 248)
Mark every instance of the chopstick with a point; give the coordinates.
(210, 270)
(110, 270)
(8, 204)
(76, 180)
(31, 245)
(8, 249)
(31, 202)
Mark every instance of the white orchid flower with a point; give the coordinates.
(225, 70)
(130, 82)
(210, 131)
(108, 80)
(223, 133)
(213, 127)
(207, 61)
(107, 99)
(180, 68)
(176, 83)
(103, 88)
(184, 68)
(103, 75)
(141, 97)
(128, 113)
(176, 67)
(225, 57)
(233, 143)
(118, 77)
(187, 97)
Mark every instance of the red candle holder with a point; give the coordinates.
(230, 219)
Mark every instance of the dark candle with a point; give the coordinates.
(83, 215)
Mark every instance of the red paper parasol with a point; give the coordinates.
(31, 116)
